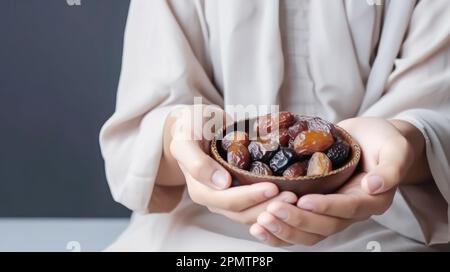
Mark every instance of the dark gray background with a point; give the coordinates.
(59, 68)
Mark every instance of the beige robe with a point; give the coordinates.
(390, 60)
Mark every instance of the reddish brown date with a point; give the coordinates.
(235, 137)
(283, 119)
(238, 156)
(319, 164)
(263, 125)
(308, 142)
(299, 126)
(297, 169)
(272, 122)
(260, 168)
(280, 137)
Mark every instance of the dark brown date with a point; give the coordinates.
(338, 153)
(238, 156)
(281, 160)
(262, 151)
(260, 168)
(235, 137)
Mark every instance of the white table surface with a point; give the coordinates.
(50, 234)
(65, 235)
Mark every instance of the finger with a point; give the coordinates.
(395, 157)
(249, 215)
(193, 160)
(307, 221)
(232, 199)
(347, 206)
(286, 232)
(265, 236)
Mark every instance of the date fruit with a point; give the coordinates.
(283, 119)
(283, 137)
(263, 125)
(281, 160)
(262, 151)
(338, 153)
(260, 168)
(308, 142)
(318, 124)
(299, 126)
(238, 156)
(272, 122)
(280, 136)
(286, 145)
(235, 137)
(297, 169)
(319, 164)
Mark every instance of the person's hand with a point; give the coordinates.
(387, 157)
(207, 181)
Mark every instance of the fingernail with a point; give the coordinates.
(271, 192)
(260, 236)
(282, 214)
(272, 227)
(289, 198)
(306, 205)
(219, 178)
(374, 183)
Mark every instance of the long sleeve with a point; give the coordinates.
(418, 91)
(165, 64)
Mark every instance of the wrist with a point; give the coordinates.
(169, 173)
(419, 171)
(411, 134)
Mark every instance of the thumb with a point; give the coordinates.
(394, 159)
(194, 161)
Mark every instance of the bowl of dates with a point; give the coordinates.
(301, 154)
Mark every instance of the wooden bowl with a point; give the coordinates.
(322, 184)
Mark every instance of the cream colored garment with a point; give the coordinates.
(390, 61)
